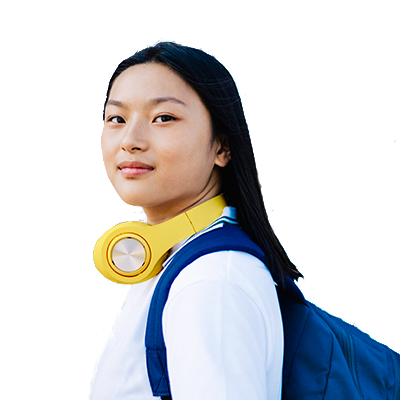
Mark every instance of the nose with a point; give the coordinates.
(134, 138)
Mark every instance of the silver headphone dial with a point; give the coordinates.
(128, 255)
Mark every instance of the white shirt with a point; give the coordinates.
(222, 329)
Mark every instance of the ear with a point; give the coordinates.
(223, 155)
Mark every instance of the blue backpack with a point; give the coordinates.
(324, 357)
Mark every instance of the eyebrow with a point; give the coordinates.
(117, 103)
(158, 100)
(151, 102)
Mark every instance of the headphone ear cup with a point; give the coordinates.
(123, 255)
(128, 255)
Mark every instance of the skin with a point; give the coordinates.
(155, 118)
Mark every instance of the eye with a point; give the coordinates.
(164, 118)
(116, 120)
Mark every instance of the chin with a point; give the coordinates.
(132, 202)
(129, 199)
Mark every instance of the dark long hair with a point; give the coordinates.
(217, 89)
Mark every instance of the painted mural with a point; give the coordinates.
(324, 118)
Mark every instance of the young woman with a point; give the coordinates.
(174, 137)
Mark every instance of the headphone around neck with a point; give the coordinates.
(133, 252)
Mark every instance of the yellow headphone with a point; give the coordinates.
(133, 252)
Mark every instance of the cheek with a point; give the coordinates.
(185, 153)
(103, 143)
(191, 161)
(107, 148)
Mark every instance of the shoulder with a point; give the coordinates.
(229, 265)
(227, 274)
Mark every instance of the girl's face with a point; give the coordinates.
(157, 143)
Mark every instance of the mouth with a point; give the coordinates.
(133, 169)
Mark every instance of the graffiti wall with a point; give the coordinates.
(324, 118)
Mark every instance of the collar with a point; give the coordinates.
(228, 217)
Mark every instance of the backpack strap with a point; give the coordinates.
(229, 237)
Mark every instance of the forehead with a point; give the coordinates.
(151, 80)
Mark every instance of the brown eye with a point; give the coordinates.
(164, 118)
(117, 120)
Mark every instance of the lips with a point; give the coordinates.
(132, 169)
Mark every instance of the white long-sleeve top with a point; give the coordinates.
(222, 329)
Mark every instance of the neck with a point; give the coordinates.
(159, 215)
